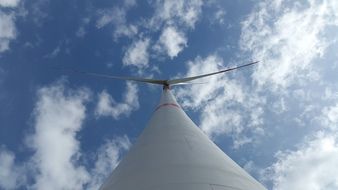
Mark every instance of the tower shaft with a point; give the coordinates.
(172, 153)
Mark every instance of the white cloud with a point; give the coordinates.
(108, 156)
(137, 54)
(226, 106)
(9, 3)
(174, 18)
(329, 117)
(171, 41)
(312, 166)
(107, 106)
(287, 37)
(180, 12)
(7, 30)
(11, 176)
(59, 113)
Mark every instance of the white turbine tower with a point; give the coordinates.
(172, 153)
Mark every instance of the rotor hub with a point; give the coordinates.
(166, 86)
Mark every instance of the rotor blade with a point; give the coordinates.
(188, 83)
(182, 80)
(145, 80)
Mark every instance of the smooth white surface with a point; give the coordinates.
(173, 154)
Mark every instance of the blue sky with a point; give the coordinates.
(278, 120)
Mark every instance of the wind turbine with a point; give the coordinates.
(172, 153)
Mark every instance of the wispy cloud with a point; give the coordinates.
(179, 12)
(311, 163)
(7, 30)
(117, 17)
(287, 37)
(81, 31)
(170, 19)
(220, 16)
(107, 106)
(9, 3)
(108, 16)
(54, 53)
